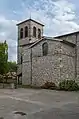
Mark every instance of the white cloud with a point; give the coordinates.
(59, 17)
(8, 33)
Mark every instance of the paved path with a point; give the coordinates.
(38, 104)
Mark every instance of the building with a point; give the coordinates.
(42, 59)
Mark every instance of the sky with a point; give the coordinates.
(58, 16)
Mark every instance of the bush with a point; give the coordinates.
(68, 85)
(49, 85)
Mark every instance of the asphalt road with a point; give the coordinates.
(38, 104)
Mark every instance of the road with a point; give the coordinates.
(38, 104)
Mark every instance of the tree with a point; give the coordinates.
(12, 67)
(3, 57)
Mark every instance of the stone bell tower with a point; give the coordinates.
(29, 31)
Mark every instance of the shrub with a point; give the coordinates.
(68, 85)
(49, 85)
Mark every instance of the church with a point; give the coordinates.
(41, 59)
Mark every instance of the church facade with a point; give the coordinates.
(42, 59)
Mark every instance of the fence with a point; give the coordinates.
(8, 83)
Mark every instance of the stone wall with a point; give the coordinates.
(74, 38)
(26, 67)
(50, 68)
(25, 41)
(19, 55)
(67, 67)
(30, 24)
(56, 66)
(38, 26)
(23, 26)
(69, 37)
(22, 52)
(67, 64)
(53, 47)
(44, 69)
(26, 73)
(77, 63)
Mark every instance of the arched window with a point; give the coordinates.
(39, 33)
(21, 33)
(34, 31)
(26, 31)
(45, 49)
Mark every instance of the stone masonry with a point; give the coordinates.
(56, 66)
(61, 61)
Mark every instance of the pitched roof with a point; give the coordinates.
(68, 43)
(75, 32)
(53, 39)
(27, 44)
(35, 43)
(29, 20)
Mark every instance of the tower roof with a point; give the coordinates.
(29, 20)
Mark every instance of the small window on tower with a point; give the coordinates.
(26, 31)
(34, 31)
(21, 33)
(39, 33)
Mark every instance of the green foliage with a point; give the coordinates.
(68, 85)
(3, 57)
(12, 67)
(49, 85)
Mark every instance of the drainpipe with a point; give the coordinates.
(60, 62)
(31, 65)
(76, 58)
(17, 78)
